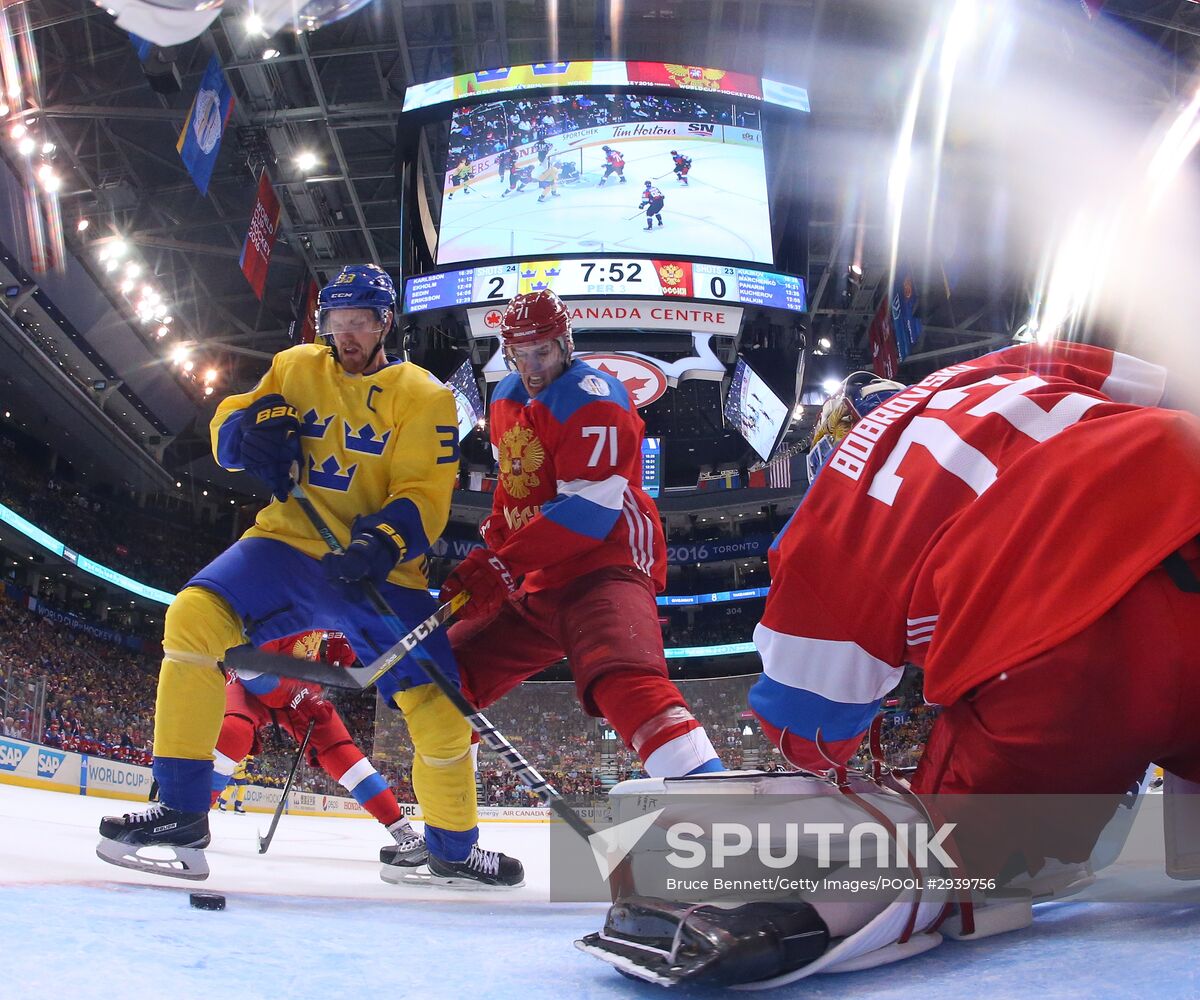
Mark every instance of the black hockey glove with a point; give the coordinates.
(271, 442)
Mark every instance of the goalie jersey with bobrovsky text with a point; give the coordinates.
(971, 522)
(570, 493)
(381, 442)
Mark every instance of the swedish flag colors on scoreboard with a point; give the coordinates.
(200, 141)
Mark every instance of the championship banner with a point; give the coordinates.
(304, 329)
(905, 324)
(260, 236)
(717, 81)
(200, 141)
(885, 359)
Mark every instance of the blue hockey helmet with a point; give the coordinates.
(358, 286)
(858, 395)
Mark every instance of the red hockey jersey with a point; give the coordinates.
(569, 498)
(971, 522)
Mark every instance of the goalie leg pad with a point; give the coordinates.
(665, 942)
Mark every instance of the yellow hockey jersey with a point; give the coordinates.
(368, 442)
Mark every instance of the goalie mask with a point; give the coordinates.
(857, 396)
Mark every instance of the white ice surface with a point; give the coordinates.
(311, 919)
(721, 212)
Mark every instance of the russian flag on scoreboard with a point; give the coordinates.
(200, 141)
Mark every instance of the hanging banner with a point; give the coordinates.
(200, 141)
(885, 359)
(260, 236)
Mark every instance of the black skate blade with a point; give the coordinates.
(647, 964)
(187, 862)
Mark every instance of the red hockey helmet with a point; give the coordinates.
(534, 317)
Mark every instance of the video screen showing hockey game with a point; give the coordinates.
(605, 174)
(754, 410)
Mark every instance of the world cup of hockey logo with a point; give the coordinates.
(521, 455)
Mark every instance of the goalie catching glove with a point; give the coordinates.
(487, 580)
(668, 943)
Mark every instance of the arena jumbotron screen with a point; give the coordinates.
(533, 177)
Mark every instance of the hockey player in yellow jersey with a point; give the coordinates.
(235, 791)
(375, 443)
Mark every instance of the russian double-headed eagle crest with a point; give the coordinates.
(521, 455)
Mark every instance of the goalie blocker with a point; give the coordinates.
(727, 937)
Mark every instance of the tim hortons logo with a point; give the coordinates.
(643, 381)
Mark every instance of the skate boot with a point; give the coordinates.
(649, 227)
(239, 809)
(221, 804)
(184, 835)
(481, 870)
(555, 194)
(408, 851)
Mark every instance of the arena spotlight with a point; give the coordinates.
(307, 160)
(25, 146)
(831, 385)
(81, 225)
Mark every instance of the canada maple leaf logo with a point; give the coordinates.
(632, 385)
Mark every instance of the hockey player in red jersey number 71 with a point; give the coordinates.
(1022, 527)
(574, 549)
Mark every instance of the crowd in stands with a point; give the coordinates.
(485, 129)
(142, 544)
(99, 698)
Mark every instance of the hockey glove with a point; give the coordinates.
(336, 650)
(486, 579)
(493, 529)
(271, 442)
(374, 550)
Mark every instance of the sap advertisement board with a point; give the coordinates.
(22, 759)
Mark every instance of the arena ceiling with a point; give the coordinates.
(339, 91)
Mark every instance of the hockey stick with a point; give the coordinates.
(526, 773)
(638, 216)
(354, 678)
(265, 842)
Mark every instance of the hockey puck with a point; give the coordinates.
(207, 901)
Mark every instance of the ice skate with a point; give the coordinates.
(482, 870)
(158, 840)
(408, 852)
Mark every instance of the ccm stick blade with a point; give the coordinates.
(249, 658)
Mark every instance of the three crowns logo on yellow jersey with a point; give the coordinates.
(364, 440)
(521, 455)
(329, 476)
(314, 426)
